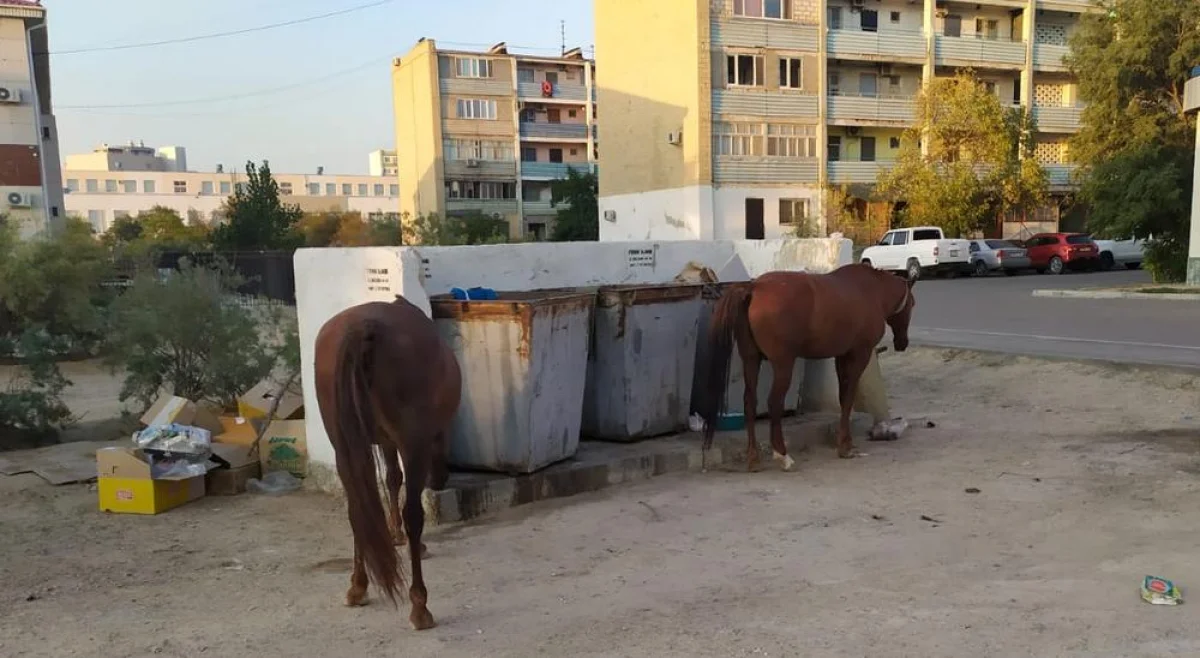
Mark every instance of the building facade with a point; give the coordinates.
(488, 131)
(382, 163)
(122, 181)
(726, 119)
(30, 187)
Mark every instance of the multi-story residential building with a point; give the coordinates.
(488, 131)
(728, 118)
(121, 181)
(382, 163)
(30, 189)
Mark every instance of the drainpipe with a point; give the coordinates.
(37, 119)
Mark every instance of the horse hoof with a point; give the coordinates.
(786, 461)
(422, 620)
(356, 598)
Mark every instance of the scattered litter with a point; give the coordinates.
(654, 515)
(888, 430)
(926, 517)
(477, 293)
(879, 517)
(930, 424)
(175, 438)
(972, 490)
(233, 565)
(275, 482)
(695, 423)
(1160, 591)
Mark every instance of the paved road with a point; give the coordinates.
(1000, 313)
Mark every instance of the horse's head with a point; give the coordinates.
(901, 314)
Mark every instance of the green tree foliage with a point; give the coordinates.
(578, 216)
(348, 229)
(471, 229)
(256, 217)
(1136, 144)
(976, 165)
(31, 405)
(186, 331)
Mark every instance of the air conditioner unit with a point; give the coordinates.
(941, 13)
(19, 200)
(853, 131)
(10, 95)
(473, 163)
(675, 138)
(857, 4)
(497, 215)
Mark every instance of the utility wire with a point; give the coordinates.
(217, 35)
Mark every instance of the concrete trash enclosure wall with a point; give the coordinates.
(331, 280)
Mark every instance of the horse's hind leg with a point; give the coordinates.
(850, 368)
(414, 519)
(395, 480)
(357, 594)
(779, 386)
(750, 369)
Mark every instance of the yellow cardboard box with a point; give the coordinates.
(125, 485)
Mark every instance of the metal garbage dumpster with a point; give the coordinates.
(523, 358)
(736, 389)
(641, 364)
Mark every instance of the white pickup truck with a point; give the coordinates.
(916, 251)
(1120, 252)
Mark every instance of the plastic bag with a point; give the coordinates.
(175, 439)
(275, 482)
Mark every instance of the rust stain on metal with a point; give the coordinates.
(521, 307)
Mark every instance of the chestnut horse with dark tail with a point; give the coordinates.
(385, 378)
(784, 316)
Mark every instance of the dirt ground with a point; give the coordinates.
(1087, 481)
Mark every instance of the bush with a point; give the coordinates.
(1166, 259)
(31, 406)
(186, 332)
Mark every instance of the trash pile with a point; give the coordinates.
(187, 450)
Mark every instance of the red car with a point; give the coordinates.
(1056, 252)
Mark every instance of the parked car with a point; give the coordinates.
(1120, 252)
(919, 250)
(1058, 252)
(1004, 255)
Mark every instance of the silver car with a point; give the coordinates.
(991, 255)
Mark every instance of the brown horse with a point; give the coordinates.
(384, 377)
(783, 316)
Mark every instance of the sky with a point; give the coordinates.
(316, 94)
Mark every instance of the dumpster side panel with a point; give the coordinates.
(605, 391)
(559, 352)
(660, 348)
(492, 426)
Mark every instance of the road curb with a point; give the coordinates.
(1111, 364)
(1115, 294)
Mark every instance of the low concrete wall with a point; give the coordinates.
(331, 280)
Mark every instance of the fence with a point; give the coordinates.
(269, 275)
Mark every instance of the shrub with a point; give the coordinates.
(1166, 259)
(31, 406)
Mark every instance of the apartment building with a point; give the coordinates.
(30, 189)
(488, 131)
(725, 119)
(117, 181)
(382, 162)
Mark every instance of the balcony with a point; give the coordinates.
(765, 103)
(539, 208)
(989, 53)
(876, 46)
(553, 131)
(485, 206)
(476, 86)
(1050, 57)
(1060, 175)
(1057, 119)
(758, 33)
(753, 171)
(552, 170)
(845, 171)
(871, 110)
(481, 169)
(576, 93)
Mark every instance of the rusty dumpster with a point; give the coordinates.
(524, 364)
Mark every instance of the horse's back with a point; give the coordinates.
(814, 313)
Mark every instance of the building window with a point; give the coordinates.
(895, 17)
(224, 187)
(473, 67)
(180, 187)
(206, 188)
(377, 189)
(528, 116)
(870, 20)
(835, 18)
(572, 114)
(45, 132)
(738, 138)
(476, 108)
(552, 77)
(362, 189)
(744, 70)
(791, 141)
(314, 189)
(894, 143)
(952, 26)
(528, 154)
(835, 83)
(347, 189)
(129, 186)
(96, 219)
(393, 190)
(148, 187)
(110, 186)
(987, 28)
(470, 189)
(793, 211)
(790, 69)
(990, 86)
(285, 188)
(120, 214)
(92, 185)
(72, 185)
(835, 148)
(330, 189)
(779, 9)
(556, 155)
(574, 151)
(478, 149)
(525, 75)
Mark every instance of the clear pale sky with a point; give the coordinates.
(332, 123)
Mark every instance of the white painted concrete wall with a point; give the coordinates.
(729, 209)
(331, 280)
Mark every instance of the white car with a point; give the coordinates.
(919, 250)
(1120, 252)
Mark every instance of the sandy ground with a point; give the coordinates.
(1086, 478)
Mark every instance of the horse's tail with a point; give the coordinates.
(727, 317)
(354, 449)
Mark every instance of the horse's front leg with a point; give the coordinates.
(850, 368)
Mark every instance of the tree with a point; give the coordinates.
(470, 229)
(1135, 146)
(578, 218)
(257, 219)
(164, 228)
(977, 164)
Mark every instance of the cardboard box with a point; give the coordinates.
(237, 431)
(125, 485)
(284, 447)
(234, 467)
(256, 402)
(174, 409)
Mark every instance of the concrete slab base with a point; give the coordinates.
(598, 465)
